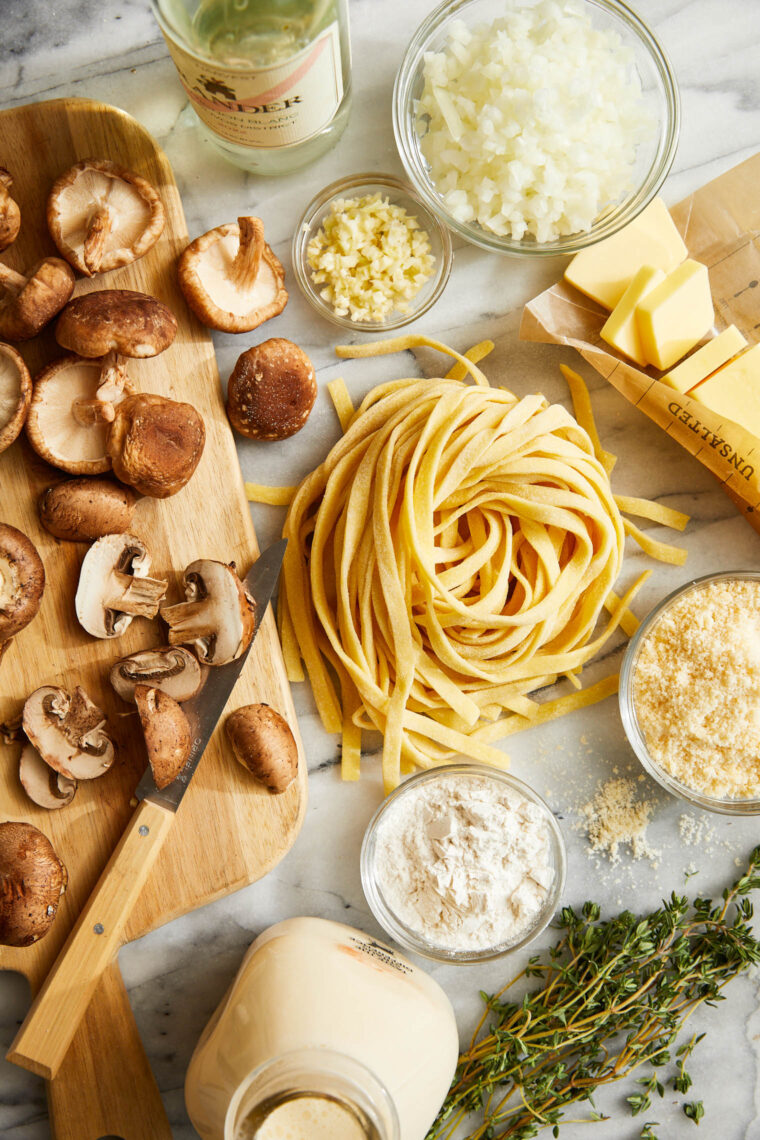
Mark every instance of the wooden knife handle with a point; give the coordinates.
(105, 1086)
(46, 1033)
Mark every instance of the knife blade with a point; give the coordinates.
(204, 710)
(45, 1035)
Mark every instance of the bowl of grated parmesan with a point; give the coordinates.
(463, 863)
(690, 692)
(535, 127)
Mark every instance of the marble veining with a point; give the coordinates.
(111, 50)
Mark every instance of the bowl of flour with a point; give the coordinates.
(463, 863)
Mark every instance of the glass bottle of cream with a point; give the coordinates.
(323, 1024)
(269, 79)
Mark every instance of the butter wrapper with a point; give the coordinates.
(720, 225)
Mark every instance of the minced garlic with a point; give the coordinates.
(696, 689)
(371, 256)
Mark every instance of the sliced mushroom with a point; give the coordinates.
(70, 413)
(15, 394)
(173, 670)
(231, 278)
(271, 390)
(155, 444)
(263, 743)
(22, 581)
(32, 880)
(217, 618)
(83, 510)
(167, 733)
(33, 298)
(69, 732)
(114, 586)
(42, 784)
(10, 215)
(101, 216)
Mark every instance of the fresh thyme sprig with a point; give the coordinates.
(615, 995)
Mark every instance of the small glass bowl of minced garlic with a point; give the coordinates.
(369, 255)
(463, 863)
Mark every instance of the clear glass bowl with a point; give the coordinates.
(628, 709)
(398, 193)
(413, 940)
(654, 156)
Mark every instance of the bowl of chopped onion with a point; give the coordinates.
(533, 127)
(368, 254)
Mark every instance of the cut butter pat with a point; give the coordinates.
(675, 315)
(605, 270)
(705, 360)
(621, 330)
(734, 391)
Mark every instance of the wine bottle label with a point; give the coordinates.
(272, 106)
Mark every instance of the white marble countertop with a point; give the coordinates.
(111, 50)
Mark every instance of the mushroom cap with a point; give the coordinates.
(137, 215)
(217, 618)
(54, 430)
(68, 732)
(22, 581)
(205, 277)
(169, 668)
(167, 733)
(32, 880)
(155, 444)
(114, 585)
(44, 786)
(10, 215)
(83, 510)
(264, 744)
(271, 390)
(50, 284)
(15, 394)
(116, 320)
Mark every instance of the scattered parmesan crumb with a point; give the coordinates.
(371, 256)
(614, 816)
(695, 831)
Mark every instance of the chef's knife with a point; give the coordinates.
(44, 1037)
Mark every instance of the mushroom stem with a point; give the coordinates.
(93, 411)
(12, 281)
(100, 407)
(188, 621)
(137, 596)
(98, 230)
(245, 267)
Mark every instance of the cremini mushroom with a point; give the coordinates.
(83, 510)
(44, 786)
(101, 216)
(170, 668)
(114, 586)
(167, 733)
(33, 298)
(69, 416)
(22, 581)
(32, 880)
(217, 619)
(15, 394)
(263, 743)
(271, 390)
(155, 444)
(69, 732)
(231, 278)
(10, 215)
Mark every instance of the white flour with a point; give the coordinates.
(465, 862)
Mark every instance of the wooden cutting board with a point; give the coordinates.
(229, 831)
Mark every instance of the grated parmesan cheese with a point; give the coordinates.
(530, 124)
(371, 256)
(614, 816)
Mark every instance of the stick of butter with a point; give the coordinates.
(620, 329)
(706, 360)
(734, 391)
(605, 270)
(675, 315)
